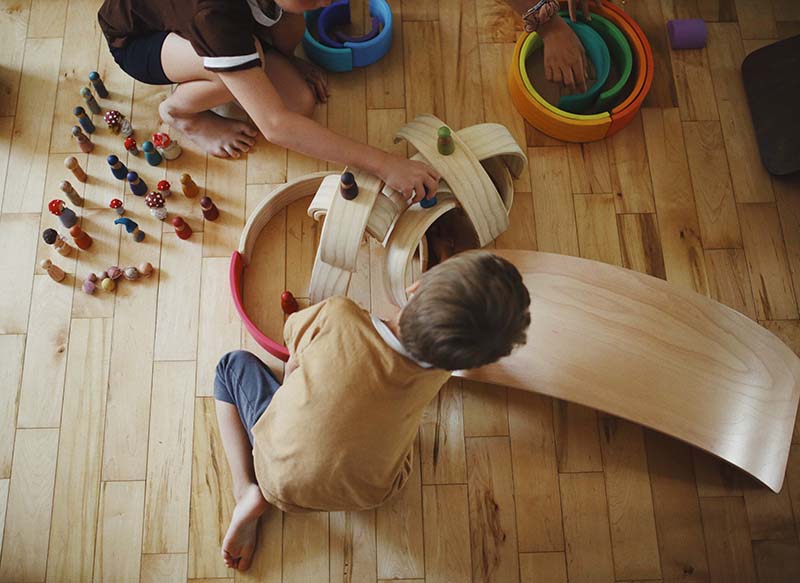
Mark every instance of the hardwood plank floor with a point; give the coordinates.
(111, 465)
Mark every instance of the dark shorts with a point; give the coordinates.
(141, 58)
(246, 382)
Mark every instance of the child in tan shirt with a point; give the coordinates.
(339, 433)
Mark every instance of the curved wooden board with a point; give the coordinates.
(347, 219)
(501, 178)
(322, 199)
(327, 281)
(636, 347)
(383, 216)
(277, 199)
(404, 240)
(463, 172)
(487, 140)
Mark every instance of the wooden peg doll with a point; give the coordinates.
(348, 186)
(91, 102)
(182, 228)
(53, 270)
(190, 189)
(84, 143)
(99, 86)
(51, 237)
(65, 214)
(444, 142)
(81, 237)
(71, 162)
(210, 210)
(71, 193)
(84, 120)
(138, 186)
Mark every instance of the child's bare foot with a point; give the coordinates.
(217, 135)
(240, 540)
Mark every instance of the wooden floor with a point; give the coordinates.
(111, 468)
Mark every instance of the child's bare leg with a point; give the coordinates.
(240, 540)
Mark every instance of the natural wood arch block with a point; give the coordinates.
(327, 281)
(384, 214)
(670, 359)
(462, 170)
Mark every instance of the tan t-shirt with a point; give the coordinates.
(338, 435)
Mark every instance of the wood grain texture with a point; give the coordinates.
(447, 545)
(103, 253)
(691, 72)
(353, 556)
(598, 237)
(423, 59)
(461, 64)
(769, 514)
(536, 567)
(787, 197)
(777, 560)
(30, 501)
(630, 170)
(225, 181)
(554, 209)
(441, 437)
(708, 165)
(119, 531)
(305, 547)
(576, 438)
(533, 457)
(675, 202)
(4, 483)
(13, 29)
(386, 84)
(728, 280)
(18, 232)
(13, 350)
(70, 555)
(493, 533)
(730, 553)
(589, 167)
(756, 21)
(586, 533)
(163, 568)
(640, 244)
(543, 358)
(485, 410)
(6, 127)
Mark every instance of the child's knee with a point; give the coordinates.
(230, 369)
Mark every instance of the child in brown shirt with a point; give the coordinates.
(338, 434)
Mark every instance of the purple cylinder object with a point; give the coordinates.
(689, 33)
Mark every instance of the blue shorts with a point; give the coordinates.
(246, 382)
(141, 58)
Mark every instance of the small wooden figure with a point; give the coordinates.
(84, 143)
(91, 102)
(427, 203)
(190, 189)
(132, 227)
(210, 210)
(138, 186)
(54, 271)
(163, 187)
(117, 205)
(125, 127)
(71, 162)
(51, 237)
(444, 143)
(112, 119)
(71, 193)
(348, 186)
(155, 202)
(114, 272)
(131, 273)
(99, 86)
(151, 154)
(288, 303)
(182, 228)
(81, 237)
(130, 145)
(108, 285)
(118, 169)
(65, 214)
(89, 284)
(84, 120)
(145, 269)
(168, 147)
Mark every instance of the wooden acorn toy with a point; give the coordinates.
(53, 270)
(91, 102)
(84, 143)
(151, 154)
(51, 237)
(132, 227)
(190, 189)
(138, 186)
(444, 142)
(89, 284)
(118, 169)
(72, 194)
(155, 202)
(130, 145)
(65, 214)
(117, 205)
(168, 147)
(83, 119)
(145, 269)
(114, 272)
(210, 210)
(97, 83)
(71, 162)
(81, 237)
(107, 284)
(182, 228)
(112, 119)
(163, 187)
(347, 186)
(131, 273)
(288, 303)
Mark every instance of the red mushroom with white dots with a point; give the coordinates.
(155, 203)
(116, 204)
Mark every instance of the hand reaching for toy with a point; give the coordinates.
(412, 178)
(564, 58)
(315, 78)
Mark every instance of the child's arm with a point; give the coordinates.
(254, 91)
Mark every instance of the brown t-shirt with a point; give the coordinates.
(221, 31)
(339, 433)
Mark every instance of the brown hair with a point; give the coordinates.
(469, 311)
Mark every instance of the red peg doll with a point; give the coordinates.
(81, 237)
(182, 228)
(288, 303)
(210, 210)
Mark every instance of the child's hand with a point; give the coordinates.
(584, 8)
(412, 178)
(315, 78)
(564, 57)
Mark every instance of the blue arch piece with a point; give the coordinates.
(351, 54)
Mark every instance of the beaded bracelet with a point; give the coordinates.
(539, 13)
